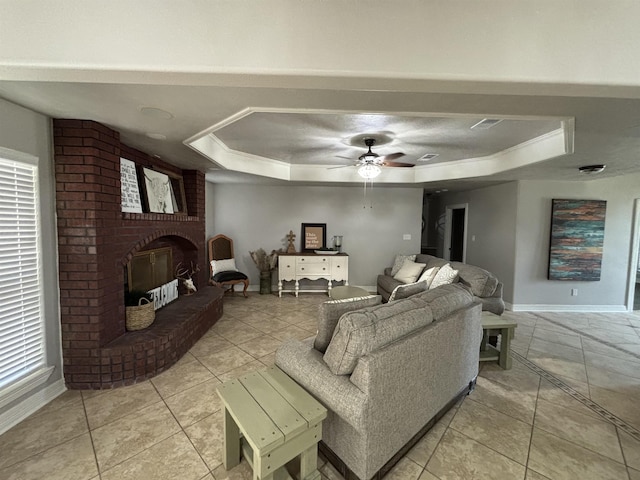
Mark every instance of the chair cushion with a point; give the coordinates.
(228, 276)
(226, 265)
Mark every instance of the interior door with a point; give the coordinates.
(457, 235)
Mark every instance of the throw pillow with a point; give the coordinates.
(399, 261)
(428, 275)
(228, 265)
(409, 271)
(408, 289)
(329, 313)
(445, 276)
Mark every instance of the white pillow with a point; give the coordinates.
(228, 265)
(409, 271)
(408, 289)
(445, 276)
(399, 261)
(428, 275)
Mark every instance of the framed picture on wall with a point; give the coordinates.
(314, 236)
(158, 191)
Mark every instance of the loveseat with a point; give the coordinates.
(386, 372)
(484, 285)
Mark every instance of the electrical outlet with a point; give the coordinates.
(406, 236)
(574, 292)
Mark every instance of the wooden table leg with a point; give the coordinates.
(485, 340)
(309, 464)
(231, 441)
(505, 344)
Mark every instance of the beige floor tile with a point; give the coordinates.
(329, 472)
(559, 459)
(238, 332)
(207, 436)
(174, 457)
(622, 405)
(41, 432)
(614, 337)
(261, 346)
(119, 402)
(547, 326)
(210, 343)
(521, 318)
(240, 472)
(122, 439)
(515, 402)
(634, 474)
(186, 373)
(422, 451)
(533, 475)
(226, 360)
(624, 328)
(556, 396)
(539, 347)
(458, 457)
(567, 338)
(613, 381)
(616, 365)
(498, 431)
(291, 332)
(236, 372)
(195, 403)
(425, 475)
(559, 366)
(294, 317)
(630, 449)
(405, 469)
(577, 385)
(68, 399)
(597, 435)
(268, 360)
(518, 377)
(633, 349)
(268, 325)
(72, 460)
(589, 345)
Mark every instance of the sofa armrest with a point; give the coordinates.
(387, 271)
(305, 365)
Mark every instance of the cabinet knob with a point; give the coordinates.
(288, 266)
(337, 266)
(323, 269)
(302, 268)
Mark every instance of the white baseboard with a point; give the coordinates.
(372, 289)
(566, 308)
(22, 410)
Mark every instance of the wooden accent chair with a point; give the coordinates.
(221, 250)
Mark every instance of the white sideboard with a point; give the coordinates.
(297, 266)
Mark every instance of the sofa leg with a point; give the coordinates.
(472, 385)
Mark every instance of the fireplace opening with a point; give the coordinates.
(149, 269)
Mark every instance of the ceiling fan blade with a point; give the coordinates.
(339, 166)
(392, 156)
(397, 164)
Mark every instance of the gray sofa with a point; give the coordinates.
(485, 285)
(387, 372)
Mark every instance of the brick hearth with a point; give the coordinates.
(96, 241)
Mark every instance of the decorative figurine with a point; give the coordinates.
(291, 238)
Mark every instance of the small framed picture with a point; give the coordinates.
(158, 191)
(314, 236)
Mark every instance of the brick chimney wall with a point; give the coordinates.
(96, 240)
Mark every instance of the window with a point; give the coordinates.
(22, 348)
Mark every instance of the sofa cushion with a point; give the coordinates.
(407, 289)
(444, 300)
(482, 282)
(428, 275)
(409, 271)
(387, 283)
(444, 276)
(399, 261)
(364, 331)
(330, 312)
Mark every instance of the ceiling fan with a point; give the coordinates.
(369, 163)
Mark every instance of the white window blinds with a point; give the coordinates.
(21, 327)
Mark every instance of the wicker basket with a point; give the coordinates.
(141, 316)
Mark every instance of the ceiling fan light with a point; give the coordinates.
(369, 171)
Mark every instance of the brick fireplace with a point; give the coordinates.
(96, 241)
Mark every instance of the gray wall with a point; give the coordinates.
(25, 131)
(491, 218)
(512, 222)
(260, 217)
(533, 227)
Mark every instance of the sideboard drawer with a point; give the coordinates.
(313, 269)
(313, 259)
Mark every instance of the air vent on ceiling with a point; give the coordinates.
(486, 123)
(427, 157)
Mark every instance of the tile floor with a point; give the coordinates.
(568, 409)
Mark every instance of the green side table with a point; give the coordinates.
(493, 324)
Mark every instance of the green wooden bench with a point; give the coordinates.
(270, 420)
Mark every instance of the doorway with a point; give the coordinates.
(633, 299)
(455, 233)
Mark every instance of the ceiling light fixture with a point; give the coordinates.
(589, 169)
(157, 136)
(156, 113)
(369, 171)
